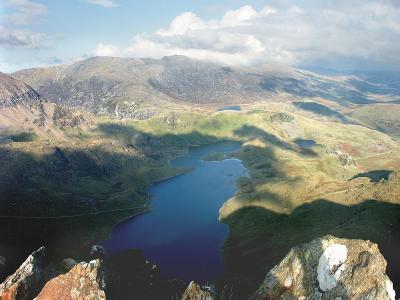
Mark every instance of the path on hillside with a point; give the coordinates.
(373, 155)
(77, 215)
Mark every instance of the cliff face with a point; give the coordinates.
(326, 268)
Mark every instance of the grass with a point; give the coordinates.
(384, 117)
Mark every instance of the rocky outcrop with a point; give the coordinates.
(14, 92)
(281, 117)
(85, 281)
(27, 281)
(196, 292)
(345, 159)
(329, 268)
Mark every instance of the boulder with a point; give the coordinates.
(85, 281)
(196, 292)
(27, 281)
(329, 268)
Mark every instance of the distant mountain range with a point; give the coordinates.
(140, 88)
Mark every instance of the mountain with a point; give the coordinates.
(140, 88)
(24, 113)
(14, 92)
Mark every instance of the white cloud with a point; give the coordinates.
(25, 11)
(10, 38)
(359, 30)
(104, 3)
(14, 32)
(106, 50)
(238, 17)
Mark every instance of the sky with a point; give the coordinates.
(331, 34)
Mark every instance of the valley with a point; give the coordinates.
(322, 154)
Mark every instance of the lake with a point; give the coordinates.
(305, 144)
(235, 108)
(182, 234)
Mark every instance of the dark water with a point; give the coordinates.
(237, 108)
(305, 144)
(182, 234)
(375, 175)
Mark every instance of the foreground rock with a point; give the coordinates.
(84, 281)
(127, 275)
(196, 292)
(27, 281)
(329, 268)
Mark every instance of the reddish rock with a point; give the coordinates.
(86, 281)
(27, 281)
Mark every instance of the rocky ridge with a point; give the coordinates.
(325, 268)
(140, 88)
(14, 92)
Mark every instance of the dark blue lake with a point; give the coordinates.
(182, 234)
(236, 108)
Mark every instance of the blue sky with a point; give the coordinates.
(337, 34)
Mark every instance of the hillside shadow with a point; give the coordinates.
(321, 110)
(260, 238)
(252, 133)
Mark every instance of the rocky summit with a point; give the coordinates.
(325, 268)
(329, 268)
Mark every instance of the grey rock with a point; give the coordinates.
(329, 268)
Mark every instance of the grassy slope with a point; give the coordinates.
(384, 117)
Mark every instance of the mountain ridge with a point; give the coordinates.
(142, 87)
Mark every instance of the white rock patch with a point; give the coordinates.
(330, 266)
(390, 290)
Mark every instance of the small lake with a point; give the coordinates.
(235, 108)
(305, 144)
(182, 234)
